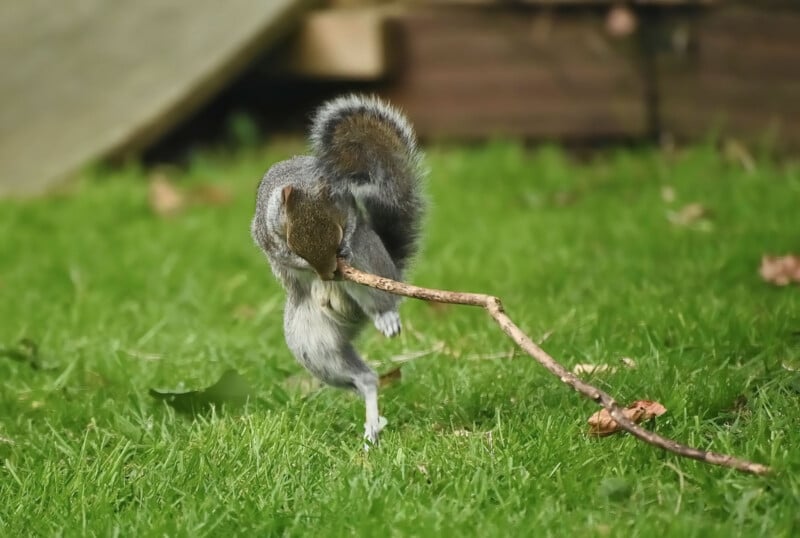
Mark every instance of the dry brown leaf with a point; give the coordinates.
(391, 377)
(689, 214)
(780, 270)
(602, 424)
(166, 200)
(590, 369)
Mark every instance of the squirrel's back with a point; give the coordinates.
(367, 147)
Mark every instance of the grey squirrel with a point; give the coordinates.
(358, 196)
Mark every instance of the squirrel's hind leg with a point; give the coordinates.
(367, 386)
(323, 347)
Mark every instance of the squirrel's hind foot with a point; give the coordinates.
(372, 432)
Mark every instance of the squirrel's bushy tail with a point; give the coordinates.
(369, 148)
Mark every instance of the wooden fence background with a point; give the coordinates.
(113, 80)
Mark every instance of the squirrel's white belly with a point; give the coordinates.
(334, 301)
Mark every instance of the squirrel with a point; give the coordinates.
(359, 197)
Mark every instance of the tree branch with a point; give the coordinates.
(495, 309)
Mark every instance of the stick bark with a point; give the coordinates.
(494, 307)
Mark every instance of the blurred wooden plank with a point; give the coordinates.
(472, 73)
(336, 4)
(340, 44)
(735, 71)
(556, 3)
(88, 78)
(528, 3)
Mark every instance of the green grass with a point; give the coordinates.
(120, 301)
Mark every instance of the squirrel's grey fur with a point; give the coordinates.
(365, 152)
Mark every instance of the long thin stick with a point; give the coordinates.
(495, 309)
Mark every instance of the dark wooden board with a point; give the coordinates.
(473, 73)
(738, 73)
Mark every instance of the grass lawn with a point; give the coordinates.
(120, 300)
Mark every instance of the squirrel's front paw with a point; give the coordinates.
(388, 323)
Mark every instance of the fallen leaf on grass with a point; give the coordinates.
(590, 369)
(391, 377)
(691, 214)
(232, 391)
(601, 423)
(780, 270)
(166, 200)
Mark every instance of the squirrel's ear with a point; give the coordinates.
(287, 191)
